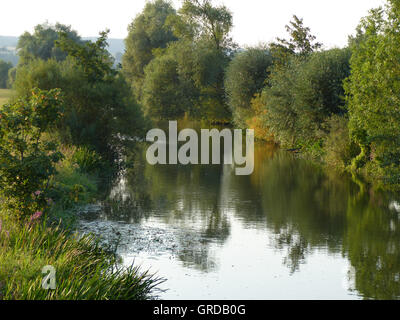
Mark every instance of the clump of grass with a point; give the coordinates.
(84, 270)
(72, 187)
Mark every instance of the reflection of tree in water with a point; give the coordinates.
(304, 208)
(296, 246)
(183, 197)
(372, 245)
(308, 209)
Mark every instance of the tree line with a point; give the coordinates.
(339, 106)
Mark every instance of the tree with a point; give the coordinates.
(304, 94)
(163, 90)
(373, 94)
(301, 40)
(41, 44)
(208, 22)
(96, 62)
(281, 112)
(27, 160)
(245, 78)
(4, 69)
(99, 106)
(147, 32)
(191, 68)
(208, 28)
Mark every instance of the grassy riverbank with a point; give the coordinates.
(84, 270)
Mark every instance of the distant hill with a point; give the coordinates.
(8, 48)
(114, 45)
(6, 41)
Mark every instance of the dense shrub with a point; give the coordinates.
(245, 77)
(304, 94)
(339, 149)
(27, 161)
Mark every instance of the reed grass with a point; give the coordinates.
(84, 270)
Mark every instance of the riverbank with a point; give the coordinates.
(84, 269)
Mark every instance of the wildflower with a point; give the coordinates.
(37, 193)
(36, 216)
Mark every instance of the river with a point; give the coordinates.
(291, 230)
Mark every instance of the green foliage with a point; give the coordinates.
(245, 77)
(163, 89)
(4, 69)
(71, 187)
(303, 94)
(301, 40)
(211, 23)
(338, 148)
(99, 107)
(187, 76)
(27, 162)
(41, 44)
(87, 160)
(147, 33)
(84, 270)
(93, 57)
(373, 89)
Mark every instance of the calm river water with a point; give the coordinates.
(288, 231)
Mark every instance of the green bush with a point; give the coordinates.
(339, 149)
(87, 160)
(27, 161)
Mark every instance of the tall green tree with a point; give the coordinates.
(301, 41)
(207, 21)
(209, 29)
(147, 33)
(373, 94)
(304, 94)
(245, 77)
(192, 67)
(41, 43)
(168, 85)
(99, 107)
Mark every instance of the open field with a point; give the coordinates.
(5, 94)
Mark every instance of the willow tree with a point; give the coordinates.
(245, 78)
(147, 33)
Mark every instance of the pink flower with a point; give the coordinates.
(36, 216)
(37, 193)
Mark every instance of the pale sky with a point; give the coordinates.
(255, 20)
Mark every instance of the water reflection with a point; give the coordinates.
(304, 213)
